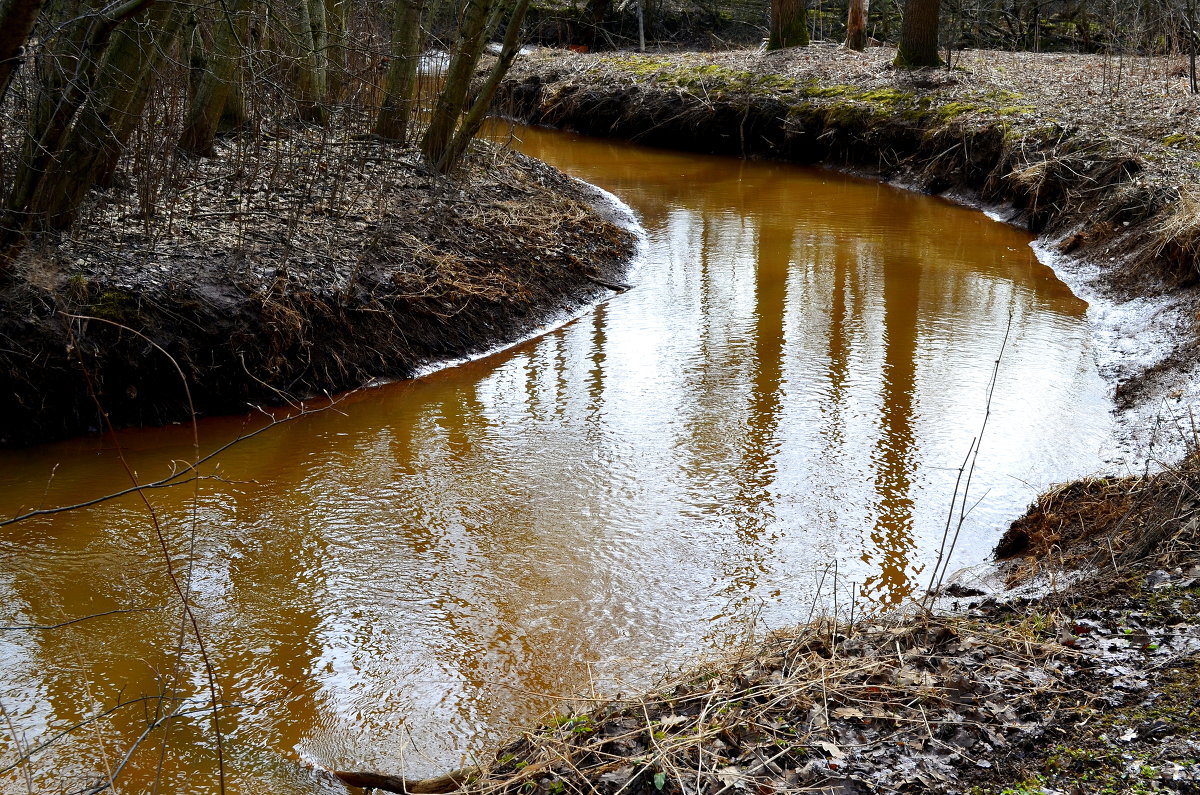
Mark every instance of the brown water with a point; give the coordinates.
(392, 585)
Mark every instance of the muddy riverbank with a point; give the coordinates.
(1096, 158)
(367, 266)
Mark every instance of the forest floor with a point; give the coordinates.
(291, 265)
(1091, 684)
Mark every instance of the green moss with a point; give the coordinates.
(1095, 761)
(846, 114)
(834, 104)
(794, 34)
(1035, 785)
(1180, 141)
(1104, 770)
(115, 305)
(953, 110)
(712, 78)
(885, 96)
(1001, 96)
(639, 65)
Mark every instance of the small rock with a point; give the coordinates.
(1157, 579)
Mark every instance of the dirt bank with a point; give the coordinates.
(365, 266)
(1099, 158)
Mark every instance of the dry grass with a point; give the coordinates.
(1178, 232)
(918, 697)
(1114, 523)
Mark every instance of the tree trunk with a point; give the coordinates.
(337, 48)
(919, 35)
(592, 18)
(312, 38)
(1192, 43)
(483, 102)
(789, 24)
(234, 116)
(16, 22)
(856, 25)
(215, 84)
(453, 97)
(68, 71)
(400, 85)
(107, 119)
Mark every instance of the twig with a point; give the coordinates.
(81, 618)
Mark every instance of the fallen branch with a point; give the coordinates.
(450, 782)
(617, 287)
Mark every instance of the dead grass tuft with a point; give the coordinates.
(1109, 522)
(918, 697)
(1178, 232)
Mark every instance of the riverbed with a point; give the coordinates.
(772, 421)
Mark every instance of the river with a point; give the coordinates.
(771, 421)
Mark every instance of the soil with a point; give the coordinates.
(286, 267)
(1098, 156)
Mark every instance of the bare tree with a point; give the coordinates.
(309, 40)
(395, 112)
(789, 24)
(70, 73)
(212, 90)
(919, 35)
(856, 24)
(1193, 39)
(453, 123)
(17, 18)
